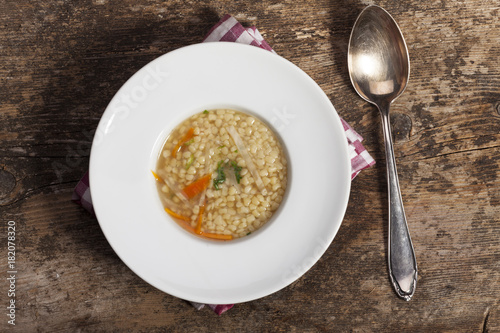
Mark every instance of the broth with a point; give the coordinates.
(221, 174)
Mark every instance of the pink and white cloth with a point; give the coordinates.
(228, 29)
(360, 158)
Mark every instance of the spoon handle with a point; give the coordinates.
(401, 256)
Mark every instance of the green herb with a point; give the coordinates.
(220, 147)
(236, 151)
(189, 162)
(205, 112)
(237, 170)
(221, 176)
(249, 233)
(187, 143)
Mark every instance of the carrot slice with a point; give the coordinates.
(177, 216)
(216, 236)
(200, 219)
(188, 136)
(197, 186)
(197, 230)
(158, 178)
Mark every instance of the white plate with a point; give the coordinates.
(170, 89)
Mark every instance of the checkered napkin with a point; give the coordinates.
(228, 29)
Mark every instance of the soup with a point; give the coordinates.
(221, 174)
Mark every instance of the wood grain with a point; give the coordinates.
(62, 61)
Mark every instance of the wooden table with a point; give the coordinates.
(62, 61)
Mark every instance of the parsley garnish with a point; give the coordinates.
(189, 162)
(187, 143)
(221, 176)
(237, 170)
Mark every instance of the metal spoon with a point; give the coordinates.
(379, 68)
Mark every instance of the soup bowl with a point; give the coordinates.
(133, 129)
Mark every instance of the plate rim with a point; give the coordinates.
(345, 195)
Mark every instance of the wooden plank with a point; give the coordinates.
(62, 61)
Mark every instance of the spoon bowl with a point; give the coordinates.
(379, 65)
(379, 68)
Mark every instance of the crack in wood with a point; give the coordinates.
(485, 321)
(456, 152)
(446, 142)
(47, 156)
(33, 191)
